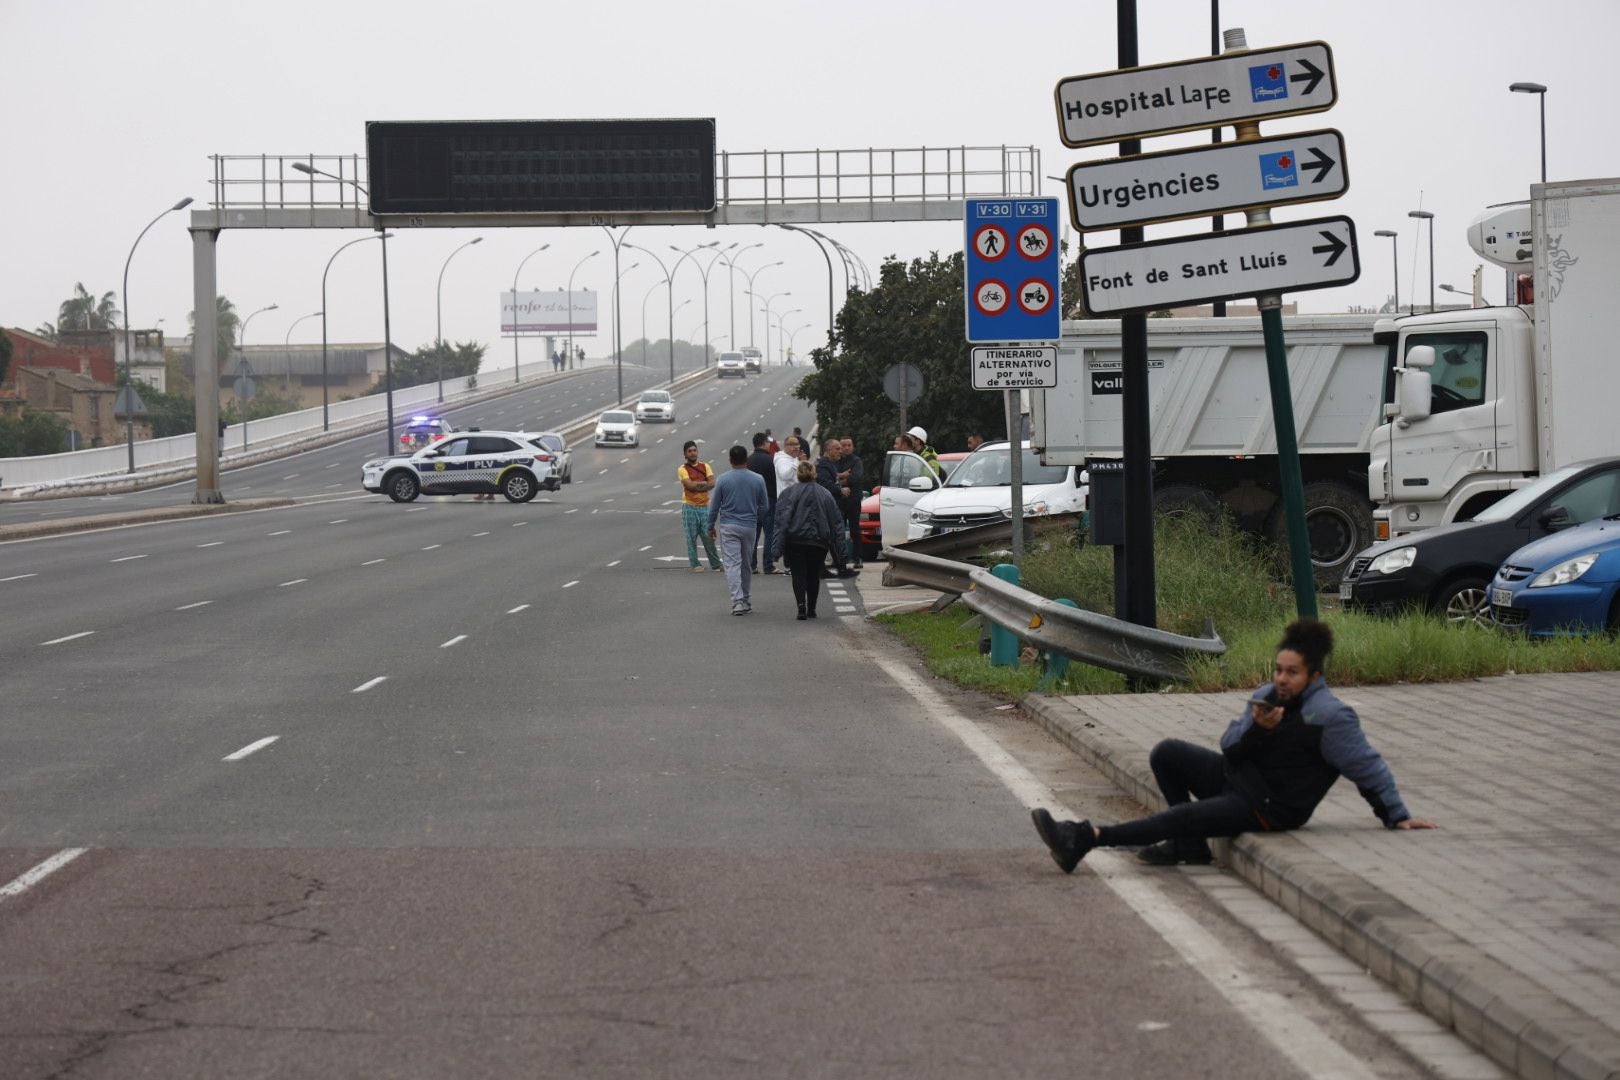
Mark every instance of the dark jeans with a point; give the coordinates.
(804, 566)
(766, 529)
(1185, 772)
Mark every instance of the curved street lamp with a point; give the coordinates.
(326, 420)
(718, 255)
(1395, 260)
(438, 308)
(618, 349)
(571, 274)
(767, 302)
(644, 300)
(731, 283)
(242, 366)
(1541, 94)
(286, 346)
(1424, 215)
(750, 291)
(515, 273)
(129, 373)
(780, 319)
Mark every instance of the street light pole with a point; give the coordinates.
(241, 360)
(816, 239)
(781, 330)
(286, 347)
(707, 348)
(129, 371)
(326, 419)
(768, 301)
(1541, 92)
(438, 308)
(1395, 262)
(618, 343)
(515, 358)
(750, 291)
(731, 285)
(1424, 215)
(571, 274)
(644, 300)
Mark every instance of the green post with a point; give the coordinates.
(1057, 665)
(1003, 642)
(1293, 483)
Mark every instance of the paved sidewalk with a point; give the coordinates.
(1505, 923)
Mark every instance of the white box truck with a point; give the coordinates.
(1214, 445)
(1498, 396)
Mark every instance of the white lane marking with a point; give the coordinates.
(842, 609)
(1271, 1014)
(18, 577)
(335, 464)
(604, 473)
(250, 748)
(643, 450)
(198, 604)
(430, 547)
(457, 640)
(340, 521)
(70, 637)
(294, 581)
(517, 524)
(280, 532)
(329, 487)
(486, 533)
(520, 607)
(626, 461)
(647, 548)
(368, 684)
(294, 476)
(575, 510)
(127, 558)
(615, 562)
(414, 509)
(29, 878)
(373, 562)
(607, 500)
(571, 584)
(661, 440)
(655, 487)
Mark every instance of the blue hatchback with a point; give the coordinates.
(1566, 583)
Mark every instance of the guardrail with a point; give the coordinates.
(996, 535)
(1084, 635)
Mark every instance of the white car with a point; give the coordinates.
(562, 458)
(978, 492)
(731, 363)
(466, 463)
(655, 405)
(752, 361)
(617, 427)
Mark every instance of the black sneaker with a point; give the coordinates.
(1176, 853)
(1068, 841)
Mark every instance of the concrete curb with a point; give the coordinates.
(33, 530)
(1506, 1015)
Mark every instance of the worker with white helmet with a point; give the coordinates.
(918, 438)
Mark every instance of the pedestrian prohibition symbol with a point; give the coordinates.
(1012, 270)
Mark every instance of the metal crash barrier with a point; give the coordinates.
(1052, 626)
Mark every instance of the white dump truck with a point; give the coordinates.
(1485, 400)
(1214, 446)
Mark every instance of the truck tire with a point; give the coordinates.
(1188, 500)
(1338, 521)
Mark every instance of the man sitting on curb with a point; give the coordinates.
(1277, 762)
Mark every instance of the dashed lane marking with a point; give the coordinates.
(33, 876)
(575, 510)
(250, 748)
(518, 524)
(280, 532)
(70, 637)
(520, 607)
(211, 543)
(127, 558)
(373, 562)
(368, 684)
(19, 577)
(481, 534)
(198, 604)
(571, 584)
(615, 562)
(431, 547)
(457, 640)
(340, 521)
(294, 581)
(647, 548)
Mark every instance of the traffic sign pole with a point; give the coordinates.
(1289, 473)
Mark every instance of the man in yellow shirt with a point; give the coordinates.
(697, 480)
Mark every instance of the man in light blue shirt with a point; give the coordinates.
(737, 506)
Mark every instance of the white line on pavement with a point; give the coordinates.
(340, 521)
(198, 604)
(486, 533)
(127, 558)
(520, 607)
(18, 577)
(602, 473)
(647, 548)
(280, 532)
(250, 748)
(70, 637)
(430, 547)
(294, 581)
(294, 476)
(29, 878)
(211, 543)
(842, 609)
(373, 562)
(1271, 1014)
(518, 524)
(615, 562)
(414, 509)
(575, 510)
(571, 584)
(335, 464)
(457, 640)
(368, 684)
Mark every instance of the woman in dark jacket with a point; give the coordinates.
(807, 527)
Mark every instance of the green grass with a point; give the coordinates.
(1229, 578)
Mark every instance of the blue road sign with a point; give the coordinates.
(1013, 273)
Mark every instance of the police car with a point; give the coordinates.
(466, 463)
(420, 431)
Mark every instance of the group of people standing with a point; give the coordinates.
(805, 513)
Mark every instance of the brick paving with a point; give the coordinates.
(1504, 924)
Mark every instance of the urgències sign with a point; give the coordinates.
(549, 313)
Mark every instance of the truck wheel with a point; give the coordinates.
(1338, 523)
(402, 487)
(1188, 500)
(1464, 601)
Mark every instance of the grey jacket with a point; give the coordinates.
(806, 514)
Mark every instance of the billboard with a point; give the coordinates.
(549, 312)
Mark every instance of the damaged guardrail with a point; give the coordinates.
(1053, 627)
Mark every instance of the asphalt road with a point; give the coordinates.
(537, 804)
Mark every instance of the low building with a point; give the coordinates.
(84, 404)
(352, 369)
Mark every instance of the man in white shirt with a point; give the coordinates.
(786, 463)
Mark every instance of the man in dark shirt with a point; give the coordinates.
(854, 482)
(761, 462)
(830, 475)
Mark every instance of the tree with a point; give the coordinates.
(914, 314)
(226, 322)
(82, 311)
(32, 433)
(423, 365)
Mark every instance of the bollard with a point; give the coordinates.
(1057, 665)
(1003, 642)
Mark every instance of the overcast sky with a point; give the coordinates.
(111, 111)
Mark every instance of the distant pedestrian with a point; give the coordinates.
(807, 527)
(1276, 763)
(735, 512)
(760, 462)
(855, 484)
(697, 481)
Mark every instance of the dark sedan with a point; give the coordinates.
(1448, 570)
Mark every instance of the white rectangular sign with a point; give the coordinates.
(1315, 254)
(1190, 94)
(549, 312)
(1014, 367)
(1204, 180)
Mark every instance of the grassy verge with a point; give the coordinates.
(1227, 578)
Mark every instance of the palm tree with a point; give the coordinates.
(82, 311)
(225, 321)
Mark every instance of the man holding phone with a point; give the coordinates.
(1276, 763)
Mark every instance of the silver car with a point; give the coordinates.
(656, 405)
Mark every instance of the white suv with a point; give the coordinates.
(731, 363)
(978, 492)
(656, 405)
(466, 463)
